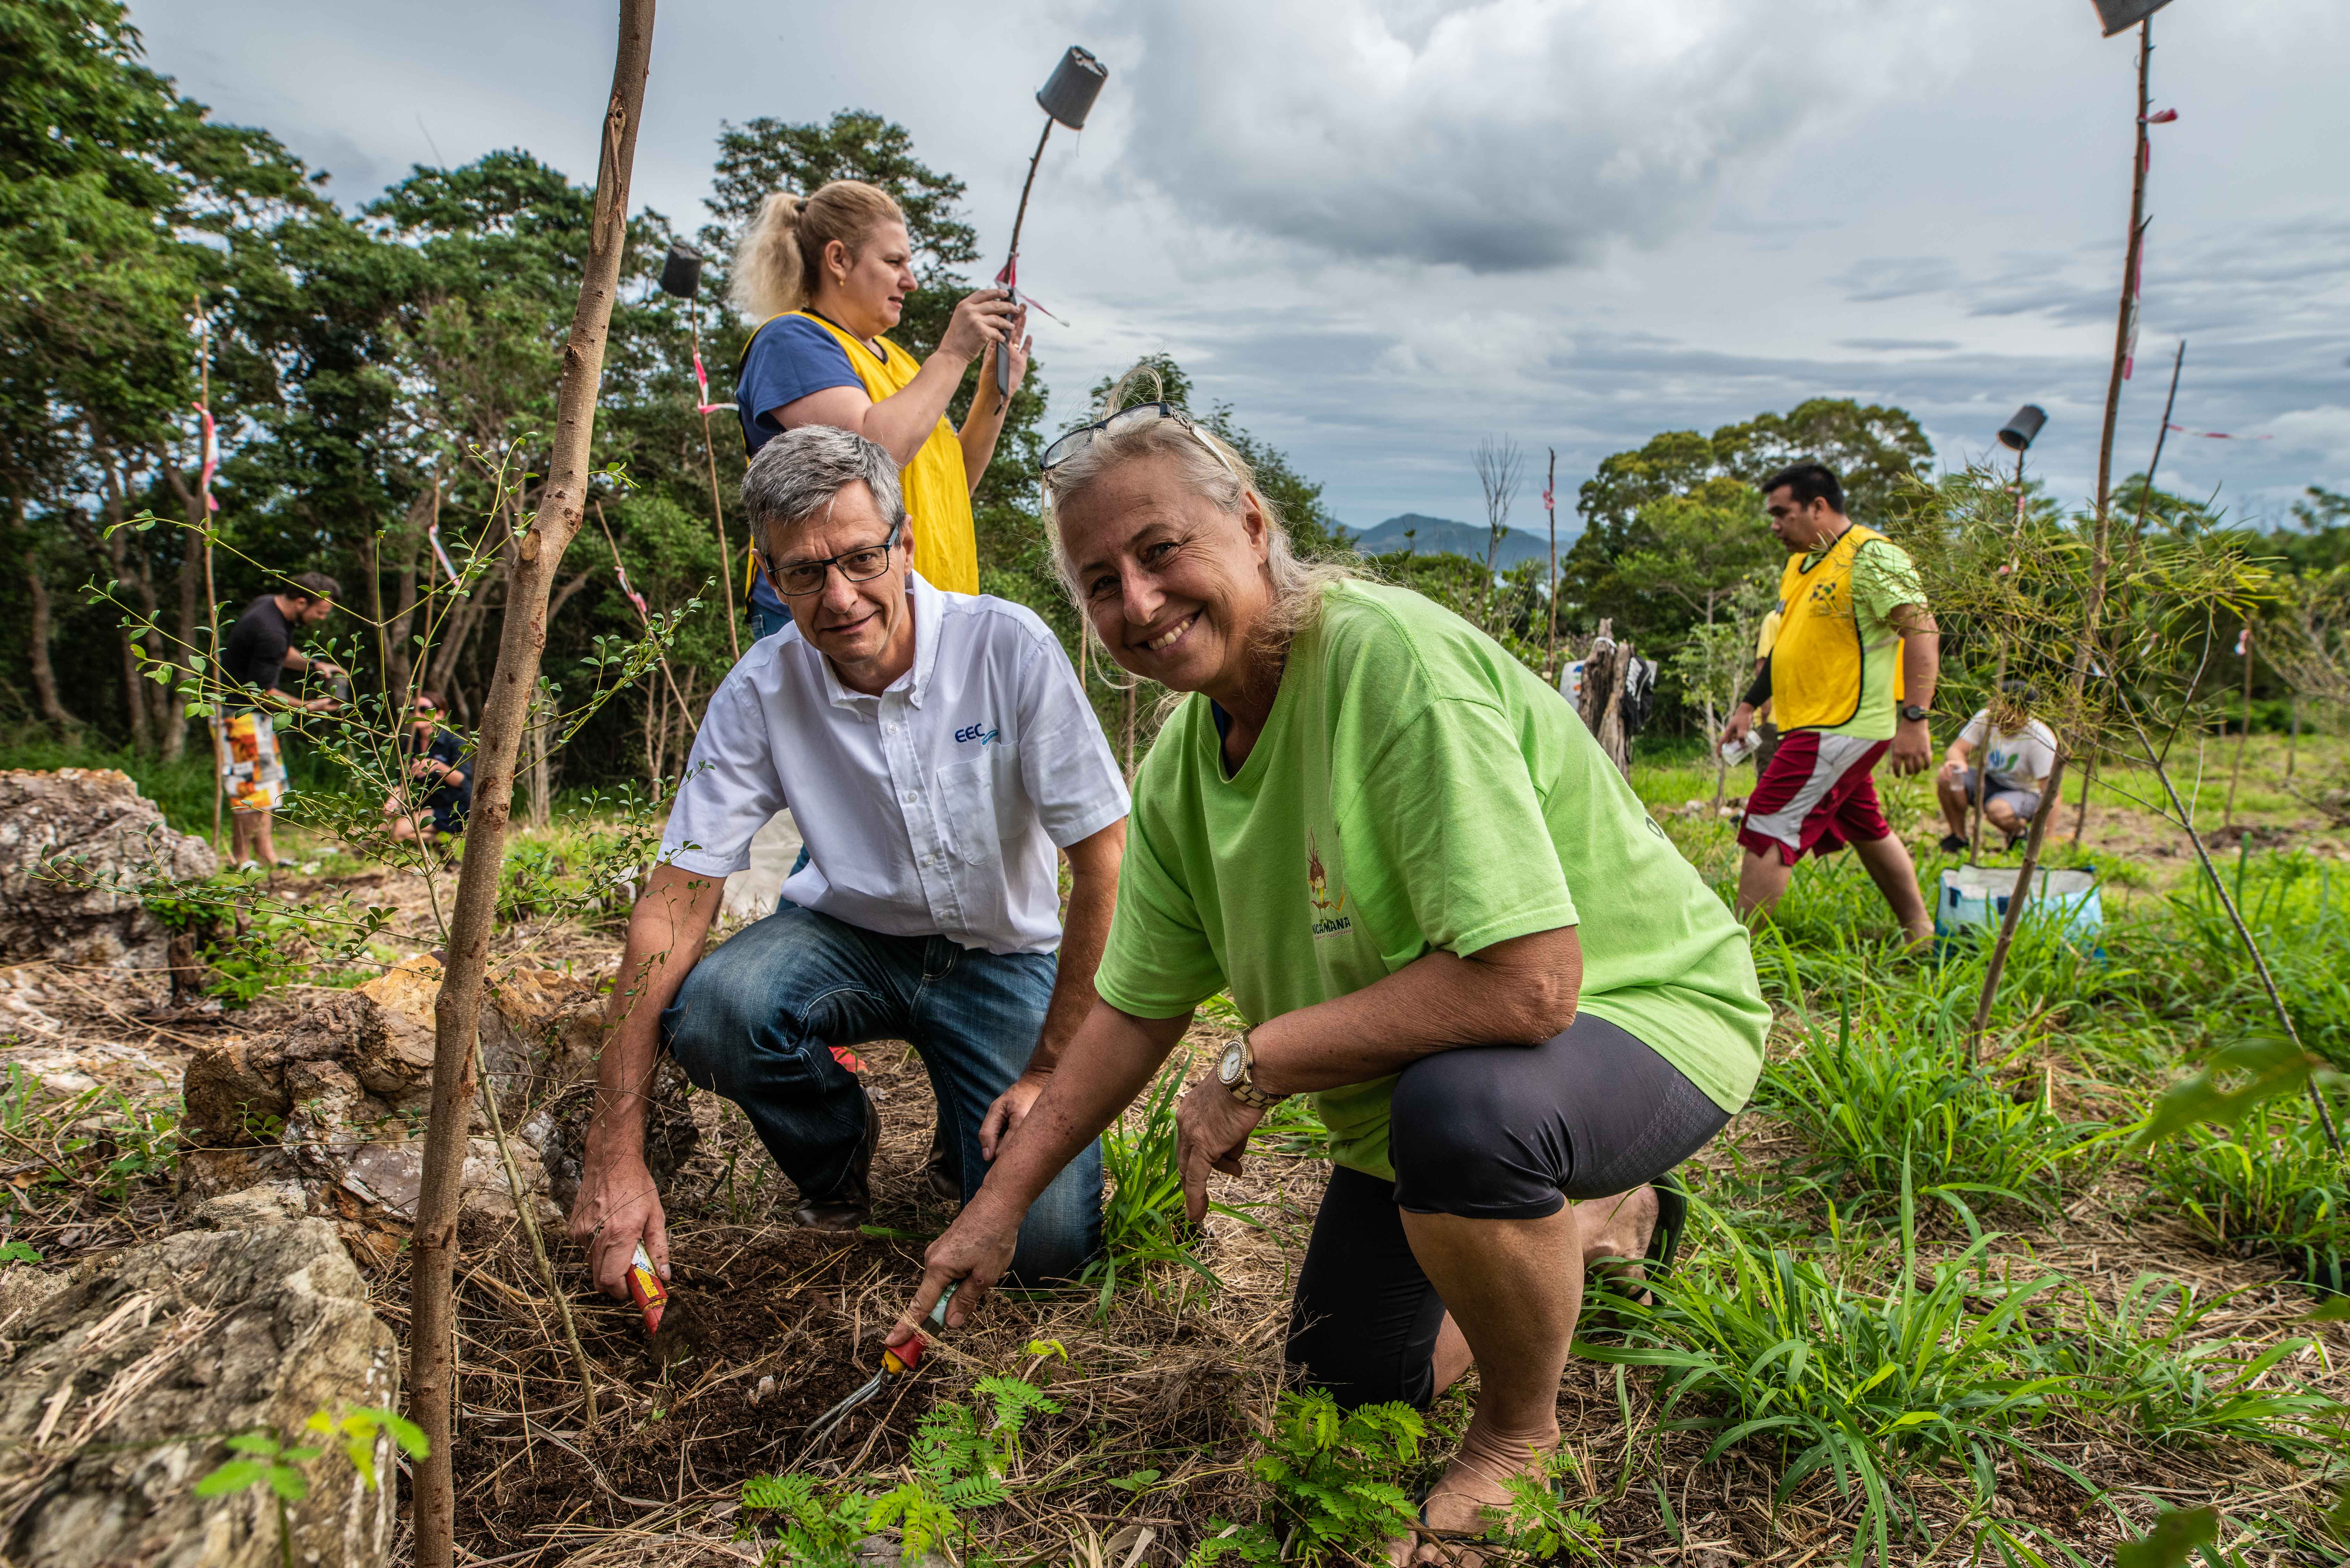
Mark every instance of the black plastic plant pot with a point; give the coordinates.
(2020, 431)
(2118, 15)
(681, 273)
(1076, 82)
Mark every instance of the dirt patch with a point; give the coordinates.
(797, 1313)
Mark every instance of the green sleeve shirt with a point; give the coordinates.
(1416, 788)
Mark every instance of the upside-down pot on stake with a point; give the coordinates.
(1067, 97)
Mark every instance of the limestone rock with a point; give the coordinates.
(337, 1099)
(118, 1388)
(75, 847)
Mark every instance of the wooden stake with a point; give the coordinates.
(211, 599)
(2100, 557)
(717, 512)
(1550, 504)
(522, 637)
(2236, 768)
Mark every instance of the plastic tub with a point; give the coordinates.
(1975, 898)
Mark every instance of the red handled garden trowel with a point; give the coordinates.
(897, 1361)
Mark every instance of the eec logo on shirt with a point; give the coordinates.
(1330, 916)
(1823, 599)
(981, 732)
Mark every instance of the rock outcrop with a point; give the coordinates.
(337, 1099)
(120, 1379)
(75, 847)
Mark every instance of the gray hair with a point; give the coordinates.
(1208, 467)
(796, 474)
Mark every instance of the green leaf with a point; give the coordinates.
(254, 1443)
(288, 1483)
(2172, 1541)
(2274, 1068)
(234, 1476)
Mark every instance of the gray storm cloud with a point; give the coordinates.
(1501, 137)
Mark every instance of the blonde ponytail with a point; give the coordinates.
(780, 258)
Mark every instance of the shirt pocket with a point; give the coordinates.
(967, 806)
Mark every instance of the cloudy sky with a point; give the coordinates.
(1383, 229)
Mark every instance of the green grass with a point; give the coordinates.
(2271, 1186)
(1887, 1108)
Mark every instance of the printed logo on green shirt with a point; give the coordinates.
(1330, 915)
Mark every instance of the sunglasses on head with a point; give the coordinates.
(1076, 440)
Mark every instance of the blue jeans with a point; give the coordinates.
(753, 1019)
(765, 622)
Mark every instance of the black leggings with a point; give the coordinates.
(1487, 1132)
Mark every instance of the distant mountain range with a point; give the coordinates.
(1437, 535)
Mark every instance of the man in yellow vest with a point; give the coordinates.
(1850, 676)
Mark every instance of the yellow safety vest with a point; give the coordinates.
(1818, 667)
(938, 496)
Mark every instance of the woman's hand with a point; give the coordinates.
(984, 316)
(1211, 1128)
(975, 1250)
(1019, 345)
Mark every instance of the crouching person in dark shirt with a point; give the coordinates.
(439, 793)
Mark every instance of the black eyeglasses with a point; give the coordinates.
(1076, 440)
(801, 578)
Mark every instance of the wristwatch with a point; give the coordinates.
(1914, 713)
(1232, 1070)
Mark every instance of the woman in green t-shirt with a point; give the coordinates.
(1445, 914)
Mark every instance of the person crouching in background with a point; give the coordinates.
(438, 795)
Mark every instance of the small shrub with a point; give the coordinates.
(958, 1462)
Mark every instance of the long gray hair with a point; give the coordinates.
(1298, 583)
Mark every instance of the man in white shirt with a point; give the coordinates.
(935, 750)
(2017, 760)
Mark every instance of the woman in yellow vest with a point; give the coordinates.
(827, 276)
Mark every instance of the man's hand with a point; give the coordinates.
(1742, 718)
(975, 1251)
(1211, 1128)
(616, 1208)
(1010, 1107)
(1913, 747)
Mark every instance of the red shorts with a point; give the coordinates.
(1818, 795)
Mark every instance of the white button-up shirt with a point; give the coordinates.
(933, 809)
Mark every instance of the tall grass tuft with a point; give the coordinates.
(1778, 1347)
(2271, 1186)
(1144, 1228)
(1891, 1108)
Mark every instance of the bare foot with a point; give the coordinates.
(1473, 1494)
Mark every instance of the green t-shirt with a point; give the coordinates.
(1416, 788)
(1884, 578)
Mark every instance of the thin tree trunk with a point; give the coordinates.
(1550, 506)
(422, 511)
(2093, 610)
(37, 641)
(2236, 768)
(521, 640)
(2235, 918)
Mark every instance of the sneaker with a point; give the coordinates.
(939, 1171)
(1953, 844)
(850, 1204)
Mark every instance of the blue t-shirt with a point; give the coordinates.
(789, 359)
